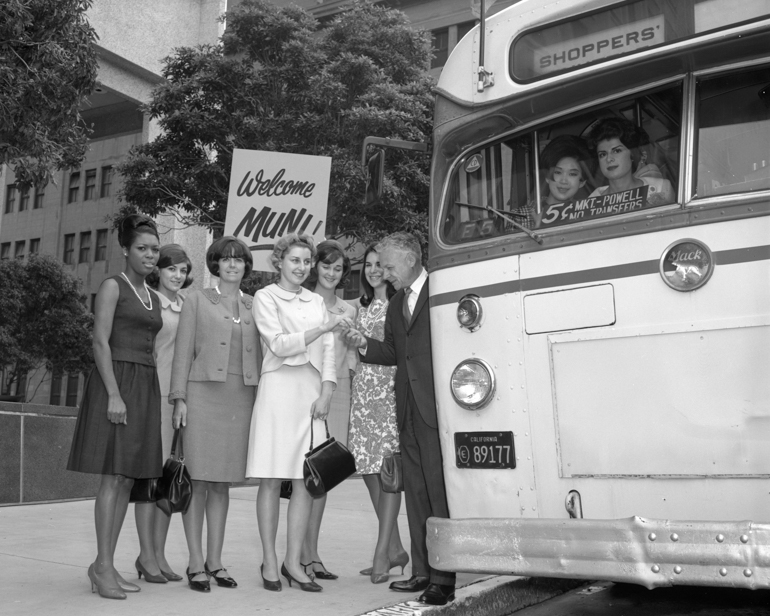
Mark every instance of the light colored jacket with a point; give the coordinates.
(202, 350)
(282, 319)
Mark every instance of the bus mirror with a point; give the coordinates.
(375, 170)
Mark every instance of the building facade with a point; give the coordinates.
(70, 217)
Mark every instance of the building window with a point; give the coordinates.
(18, 251)
(55, 396)
(90, 191)
(106, 181)
(23, 198)
(10, 199)
(39, 196)
(72, 195)
(101, 245)
(69, 249)
(34, 246)
(5, 251)
(440, 45)
(73, 381)
(85, 247)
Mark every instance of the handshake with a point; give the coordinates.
(347, 329)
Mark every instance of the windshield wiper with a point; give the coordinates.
(517, 225)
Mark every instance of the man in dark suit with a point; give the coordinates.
(407, 344)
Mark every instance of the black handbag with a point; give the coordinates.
(175, 487)
(144, 490)
(392, 473)
(286, 489)
(327, 465)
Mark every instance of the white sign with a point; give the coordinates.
(599, 45)
(272, 194)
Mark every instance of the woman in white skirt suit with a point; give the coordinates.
(296, 387)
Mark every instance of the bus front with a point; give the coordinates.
(601, 329)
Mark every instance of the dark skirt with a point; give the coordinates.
(132, 449)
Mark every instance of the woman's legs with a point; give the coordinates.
(193, 528)
(145, 527)
(309, 552)
(109, 511)
(217, 504)
(300, 505)
(160, 533)
(387, 507)
(268, 508)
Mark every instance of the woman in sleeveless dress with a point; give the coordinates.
(373, 428)
(117, 434)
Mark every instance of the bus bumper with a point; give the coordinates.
(635, 550)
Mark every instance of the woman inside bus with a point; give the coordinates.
(566, 161)
(617, 143)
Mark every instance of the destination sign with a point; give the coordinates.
(592, 208)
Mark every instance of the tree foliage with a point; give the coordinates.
(277, 82)
(43, 319)
(47, 68)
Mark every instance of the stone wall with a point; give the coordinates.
(34, 447)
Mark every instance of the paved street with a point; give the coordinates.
(45, 551)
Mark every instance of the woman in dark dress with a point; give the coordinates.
(117, 434)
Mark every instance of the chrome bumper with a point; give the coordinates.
(635, 550)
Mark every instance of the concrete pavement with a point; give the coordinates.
(45, 551)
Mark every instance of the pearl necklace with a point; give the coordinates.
(238, 320)
(137, 294)
(280, 286)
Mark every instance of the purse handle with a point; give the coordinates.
(178, 434)
(328, 436)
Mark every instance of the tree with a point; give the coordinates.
(278, 83)
(47, 68)
(44, 322)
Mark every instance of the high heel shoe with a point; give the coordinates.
(199, 586)
(270, 584)
(225, 581)
(306, 586)
(126, 586)
(311, 573)
(321, 575)
(104, 591)
(154, 579)
(379, 577)
(171, 576)
(402, 560)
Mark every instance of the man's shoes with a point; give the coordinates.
(437, 594)
(413, 584)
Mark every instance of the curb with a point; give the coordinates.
(493, 596)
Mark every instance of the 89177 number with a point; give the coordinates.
(484, 450)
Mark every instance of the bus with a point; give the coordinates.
(602, 353)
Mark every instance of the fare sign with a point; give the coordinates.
(686, 265)
(591, 208)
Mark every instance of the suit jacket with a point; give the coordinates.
(408, 348)
(202, 348)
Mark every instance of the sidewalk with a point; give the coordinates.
(45, 551)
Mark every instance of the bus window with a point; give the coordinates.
(495, 190)
(733, 133)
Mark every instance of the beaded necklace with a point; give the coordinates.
(137, 294)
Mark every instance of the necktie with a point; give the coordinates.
(405, 306)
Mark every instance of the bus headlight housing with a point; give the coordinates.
(472, 384)
(469, 312)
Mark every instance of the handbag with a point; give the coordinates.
(327, 465)
(144, 491)
(175, 486)
(392, 473)
(286, 489)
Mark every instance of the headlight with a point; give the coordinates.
(469, 312)
(473, 384)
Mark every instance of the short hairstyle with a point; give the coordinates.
(368, 294)
(405, 242)
(568, 146)
(226, 247)
(328, 252)
(133, 225)
(171, 254)
(621, 129)
(286, 243)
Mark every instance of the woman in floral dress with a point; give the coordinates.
(373, 429)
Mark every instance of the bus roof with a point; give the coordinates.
(459, 77)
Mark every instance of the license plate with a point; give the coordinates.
(484, 450)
